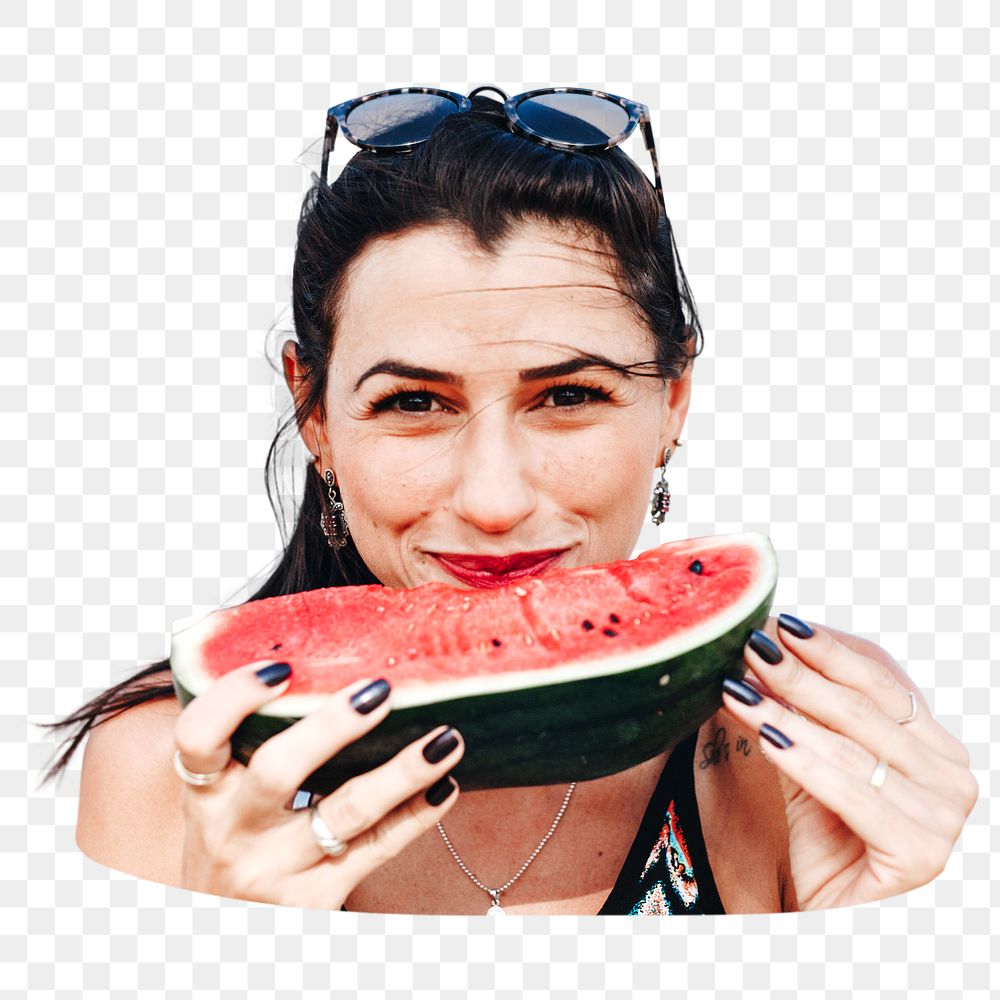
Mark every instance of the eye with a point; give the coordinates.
(409, 402)
(569, 396)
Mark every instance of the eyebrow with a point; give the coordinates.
(391, 366)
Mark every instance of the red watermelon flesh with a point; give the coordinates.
(436, 641)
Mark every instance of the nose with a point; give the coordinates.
(494, 475)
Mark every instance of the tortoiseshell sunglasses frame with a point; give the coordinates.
(638, 115)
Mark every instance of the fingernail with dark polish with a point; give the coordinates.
(440, 746)
(440, 791)
(796, 626)
(741, 691)
(764, 647)
(775, 736)
(273, 674)
(369, 698)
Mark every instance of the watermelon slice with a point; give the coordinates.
(571, 675)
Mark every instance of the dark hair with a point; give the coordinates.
(475, 172)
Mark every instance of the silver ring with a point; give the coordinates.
(913, 710)
(877, 780)
(329, 843)
(193, 777)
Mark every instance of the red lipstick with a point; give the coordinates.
(495, 571)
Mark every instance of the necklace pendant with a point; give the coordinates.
(496, 910)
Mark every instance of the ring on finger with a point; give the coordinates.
(913, 710)
(329, 843)
(195, 777)
(877, 780)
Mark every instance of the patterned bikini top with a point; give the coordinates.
(667, 871)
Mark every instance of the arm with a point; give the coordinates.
(130, 816)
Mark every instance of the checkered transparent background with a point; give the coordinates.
(828, 171)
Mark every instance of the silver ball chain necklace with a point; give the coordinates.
(496, 909)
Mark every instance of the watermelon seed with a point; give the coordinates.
(588, 624)
(528, 640)
(613, 617)
(497, 642)
(274, 649)
(610, 633)
(392, 661)
(695, 567)
(664, 680)
(520, 591)
(635, 621)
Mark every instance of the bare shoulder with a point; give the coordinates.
(130, 815)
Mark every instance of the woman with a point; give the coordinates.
(495, 343)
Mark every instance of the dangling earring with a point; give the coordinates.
(333, 521)
(660, 503)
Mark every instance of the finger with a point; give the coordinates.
(203, 730)
(282, 763)
(828, 655)
(396, 831)
(851, 712)
(361, 803)
(759, 685)
(917, 802)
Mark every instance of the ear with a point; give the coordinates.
(311, 430)
(676, 397)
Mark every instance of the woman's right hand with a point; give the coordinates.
(242, 841)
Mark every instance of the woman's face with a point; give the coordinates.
(452, 430)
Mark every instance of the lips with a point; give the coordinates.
(495, 571)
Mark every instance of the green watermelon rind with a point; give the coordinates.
(575, 722)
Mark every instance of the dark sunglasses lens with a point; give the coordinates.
(583, 118)
(398, 118)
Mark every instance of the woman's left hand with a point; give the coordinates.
(852, 839)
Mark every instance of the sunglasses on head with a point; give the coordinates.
(573, 119)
